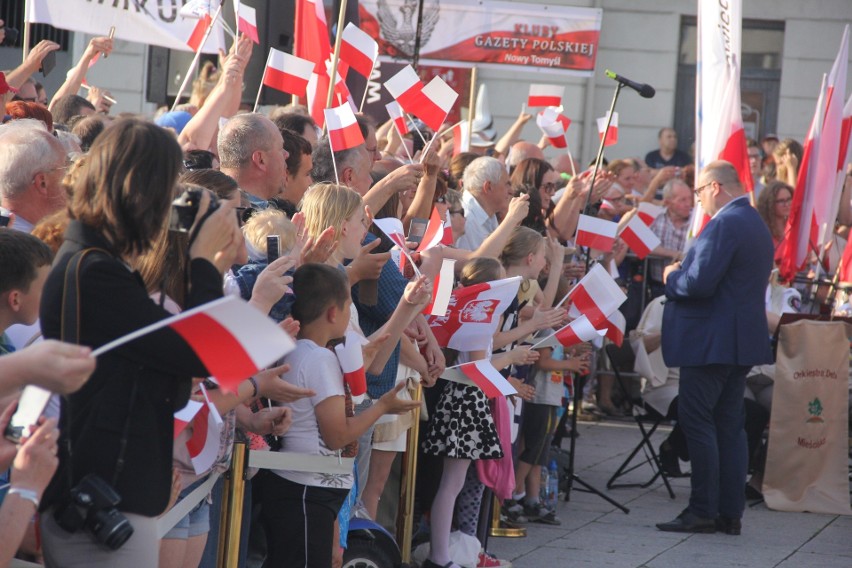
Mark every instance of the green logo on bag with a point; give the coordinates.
(815, 410)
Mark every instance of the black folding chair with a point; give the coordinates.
(622, 360)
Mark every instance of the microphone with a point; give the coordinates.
(644, 90)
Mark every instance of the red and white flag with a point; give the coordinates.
(447, 238)
(287, 73)
(343, 129)
(596, 295)
(434, 232)
(483, 375)
(612, 133)
(341, 89)
(473, 314)
(648, 212)
(350, 354)
(197, 37)
(203, 446)
(398, 116)
(615, 324)
(358, 49)
(435, 103)
(545, 95)
(580, 330)
(247, 21)
(184, 416)
(639, 237)
(554, 125)
(461, 138)
(310, 35)
(405, 87)
(232, 339)
(392, 227)
(442, 289)
(719, 133)
(596, 233)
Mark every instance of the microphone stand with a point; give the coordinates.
(580, 384)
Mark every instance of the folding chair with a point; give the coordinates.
(622, 360)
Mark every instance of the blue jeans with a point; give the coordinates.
(711, 411)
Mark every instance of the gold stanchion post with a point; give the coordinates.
(405, 518)
(497, 530)
(471, 104)
(223, 519)
(235, 505)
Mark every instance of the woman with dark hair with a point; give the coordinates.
(540, 181)
(774, 208)
(119, 427)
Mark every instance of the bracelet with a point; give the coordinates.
(253, 382)
(26, 494)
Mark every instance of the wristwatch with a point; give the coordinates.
(27, 494)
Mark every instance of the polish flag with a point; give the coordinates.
(461, 138)
(392, 227)
(845, 267)
(398, 116)
(232, 339)
(203, 446)
(639, 237)
(545, 95)
(615, 324)
(341, 90)
(554, 125)
(648, 212)
(185, 415)
(247, 21)
(596, 295)
(442, 289)
(596, 233)
(612, 133)
(287, 73)
(343, 129)
(197, 37)
(719, 133)
(815, 203)
(447, 238)
(578, 331)
(310, 34)
(434, 232)
(350, 354)
(474, 314)
(483, 375)
(358, 49)
(436, 100)
(405, 87)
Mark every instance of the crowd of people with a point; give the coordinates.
(91, 250)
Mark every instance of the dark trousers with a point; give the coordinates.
(299, 521)
(712, 413)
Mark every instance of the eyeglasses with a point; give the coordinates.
(698, 190)
(457, 212)
(787, 201)
(549, 187)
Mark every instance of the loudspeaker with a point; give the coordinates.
(275, 21)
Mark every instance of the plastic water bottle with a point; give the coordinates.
(545, 486)
(552, 485)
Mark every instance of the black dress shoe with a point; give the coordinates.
(729, 526)
(687, 522)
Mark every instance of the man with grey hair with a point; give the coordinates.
(32, 164)
(251, 150)
(353, 166)
(671, 226)
(486, 191)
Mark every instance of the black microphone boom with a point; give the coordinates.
(644, 90)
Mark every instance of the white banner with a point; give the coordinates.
(151, 23)
(535, 36)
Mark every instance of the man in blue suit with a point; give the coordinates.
(716, 330)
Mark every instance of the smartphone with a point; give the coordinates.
(48, 63)
(30, 408)
(273, 248)
(417, 229)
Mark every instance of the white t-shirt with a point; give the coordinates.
(316, 368)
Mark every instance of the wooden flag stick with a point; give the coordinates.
(471, 104)
(336, 59)
(262, 79)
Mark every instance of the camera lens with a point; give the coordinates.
(110, 528)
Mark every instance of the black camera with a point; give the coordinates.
(92, 507)
(185, 209)
(11, 37)
(5, 217)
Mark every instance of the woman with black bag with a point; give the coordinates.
(117, 431)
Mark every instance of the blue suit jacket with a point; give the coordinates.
(715, 310)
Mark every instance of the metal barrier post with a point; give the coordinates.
(405, 519)
(230, 556)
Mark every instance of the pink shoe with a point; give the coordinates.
(488, 561)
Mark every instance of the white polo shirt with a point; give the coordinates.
(478, 224)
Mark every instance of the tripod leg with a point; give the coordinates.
(607, 498)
